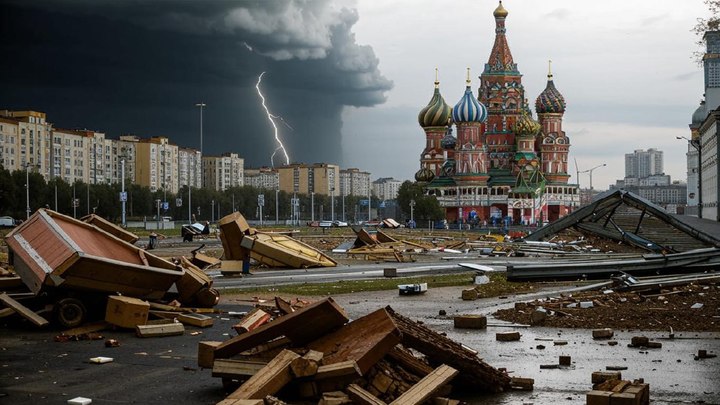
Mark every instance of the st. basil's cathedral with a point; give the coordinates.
(503, 164)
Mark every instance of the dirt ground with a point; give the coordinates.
(654, 311)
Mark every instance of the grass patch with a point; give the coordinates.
(498, 286)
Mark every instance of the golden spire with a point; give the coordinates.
(550, 69)
(437, 81)
(468, 77)
(500, 11)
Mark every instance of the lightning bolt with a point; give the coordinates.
(272, 118)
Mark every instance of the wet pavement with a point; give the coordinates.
(34, 369)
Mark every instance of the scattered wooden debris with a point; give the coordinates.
(24, 311)
(164, 329)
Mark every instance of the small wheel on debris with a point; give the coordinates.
(70, 312)
(207, 297)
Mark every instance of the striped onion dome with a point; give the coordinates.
(469, 109)
(526, 125)
(424, 175)
(437, 112)
(550, 100)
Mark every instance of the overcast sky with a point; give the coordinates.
(624, 67)
(349, 77)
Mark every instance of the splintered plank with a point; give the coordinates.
(252, 320)
(161, 330)
(269, 380)
(362, 397)
(474, 373)
(365, 340)
(426, 387)
(301, 327)
(242, 402)
(24, 311)
(409, 362)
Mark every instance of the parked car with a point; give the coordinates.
(339, 223)
(7, 222)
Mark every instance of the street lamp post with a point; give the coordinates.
(695, 143)
(277, 205)
(27, 189)
(332, 204)
(412, 212)
(201, 105)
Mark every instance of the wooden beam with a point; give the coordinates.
(199, 320)
(251, 320)
(424, 389)
(301, 327)
(236, 368)
(242, 402)
(361, 396)
(166, 329)
(24, 311)
(307, 365)
(365, 340)
(269, 380)
(409, 362)
(342, 369)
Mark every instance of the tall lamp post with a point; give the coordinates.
(695, 143)
(332, 204)
(27, 189)
(412, 213)
(200, 105)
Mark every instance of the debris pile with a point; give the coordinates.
(383, 247)
(241, 243)
(689, 303)
(73, 266)
(314, 352)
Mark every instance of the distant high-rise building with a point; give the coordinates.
(224, 171)
(189, 167)
(641, 163)
(262, 178)
(32, 143)
(711, 65)
(318, 178)
(386, 188)
(354, 182)
(155, 164)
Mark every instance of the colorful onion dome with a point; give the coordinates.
(424, 175)
(468, 109)
(437, 112)
(526, 125)
(550, 100)
(699, 115)
(500, 11)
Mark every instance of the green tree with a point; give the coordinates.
(427, 207)
(704, 24)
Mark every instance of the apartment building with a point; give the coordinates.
(32, 141)
(224, 171)
(262, 178)
(190, 167)
(354, 182)
(9, 130)
(318, 178)
(156, 164)
(386, 188)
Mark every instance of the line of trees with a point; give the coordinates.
(207, 204)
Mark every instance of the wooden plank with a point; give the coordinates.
(365, 340)
(342, 369)
(409, 362)
(241, 402)
(361, 396)
(424, 389)
(301, 327)
(236, 368)
(168, 329)
(284, 306)
(206, 353)
(251, 320)
(5, 312)
(199, 320)
(269, 380)
(24, 311)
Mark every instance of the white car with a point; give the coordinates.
(339, 223)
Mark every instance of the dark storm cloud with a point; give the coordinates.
(140, 66)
